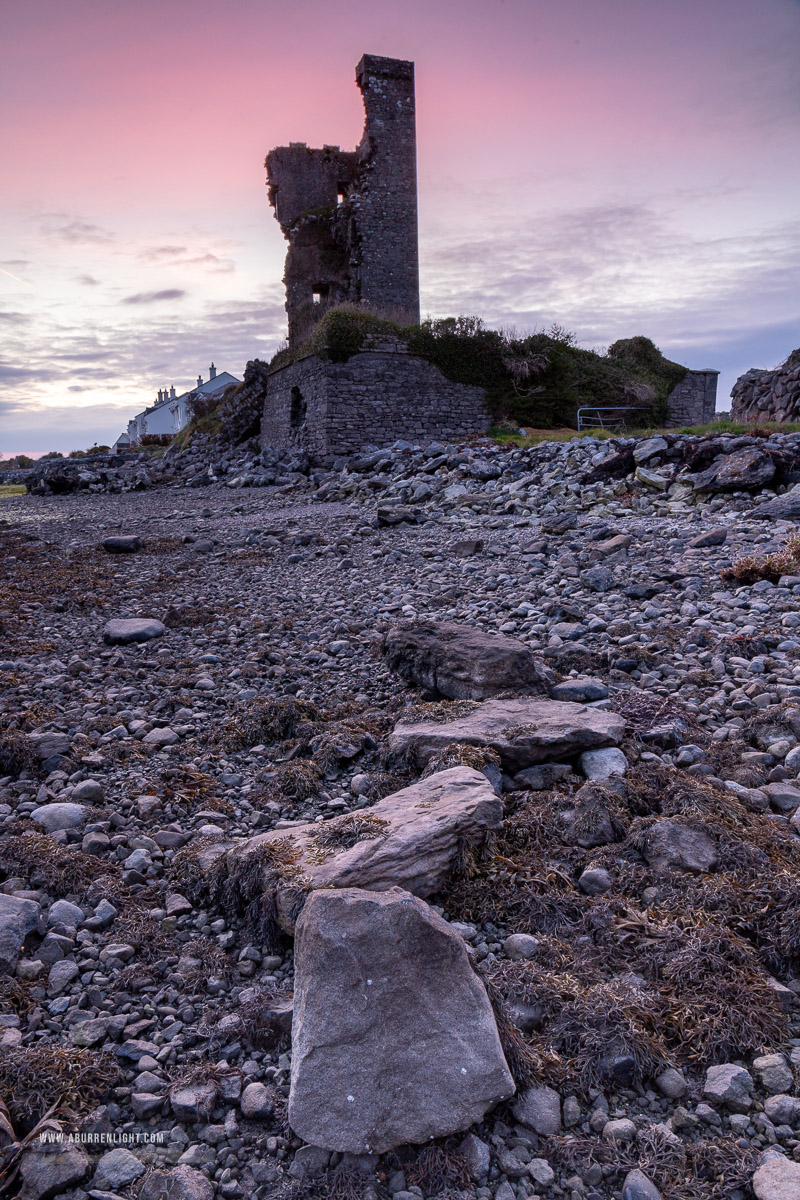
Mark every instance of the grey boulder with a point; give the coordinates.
(182, 1183)
(18, 918)
(52, 1169)
(523, 731)
(540, 1109)
(394, 1039)
(743, 470)
(778, 1178)
(599, 765)
(669, 844)
(463, 663)
(638, 1187)
(408, 839)
(60, 815)
(782, 508)
(123, 544)
(117, 1168)
(121, 632)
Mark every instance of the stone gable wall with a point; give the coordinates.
(374, 398)
(694, 400)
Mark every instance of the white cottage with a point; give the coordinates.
(172, 412)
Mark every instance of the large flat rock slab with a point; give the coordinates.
(408, 839)
(123, 631)
(523, 731)
(463, 663)
(394, 1040)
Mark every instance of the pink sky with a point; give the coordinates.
(619, 167)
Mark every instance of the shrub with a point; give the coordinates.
(540, 380)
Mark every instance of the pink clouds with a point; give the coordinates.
(596, 164)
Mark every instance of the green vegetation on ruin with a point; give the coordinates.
(541, 379)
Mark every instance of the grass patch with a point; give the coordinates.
(13, 489)
(755, 567)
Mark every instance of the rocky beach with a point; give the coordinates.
(419, 824)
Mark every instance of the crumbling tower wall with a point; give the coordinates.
(350, 217)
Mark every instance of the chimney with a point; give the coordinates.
(199, 380)
(172, 392)
(212, 372)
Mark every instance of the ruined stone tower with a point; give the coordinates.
(350, 216)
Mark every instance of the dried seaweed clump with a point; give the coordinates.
(265, 721)
(438, 711)
(16, 753)
(460, 754)
(707, 1169)
(244, 885)
(755, 567)
(34, 1078)
(40, 860)
(296, 780)
(341, 833)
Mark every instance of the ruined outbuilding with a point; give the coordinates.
(350, 216)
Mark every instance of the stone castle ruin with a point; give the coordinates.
(350, 218)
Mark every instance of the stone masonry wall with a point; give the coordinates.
(373, 399)
(768, 395)
(350, 216)
(693, 401)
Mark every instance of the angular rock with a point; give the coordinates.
(774, 1073)
(537, 779)
(407, 839)
(783, 797)
(652, 479)
(136, 629)
(744, 470)
(88, 791)
(309, 1162)
(117, 1168)
(52, 1169)
(713, 537)
(18, 918)
(649, 448)
(524, 732)
(782, 508)
(729, 1085)
(123, 544)
(581, 690)
(476, 1156)
(599, 765)
(540, 1109)
(777, 1179)
(782, 1109)
(182, 1183)
(669, 844)
(161, 737)
(394, 1038)
(463, 663)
